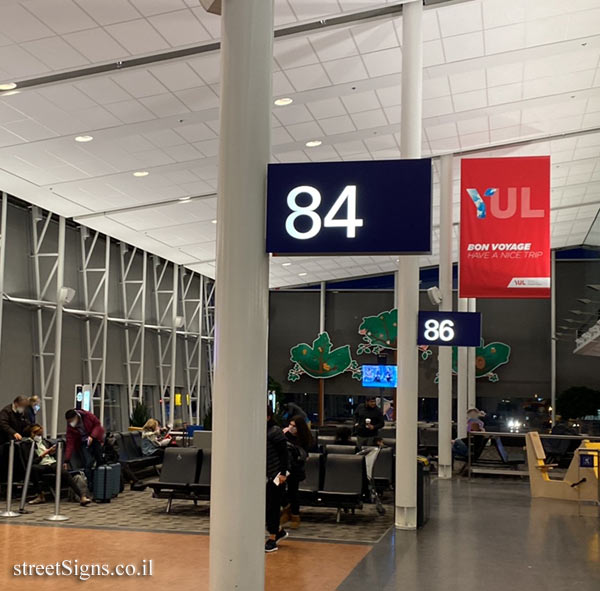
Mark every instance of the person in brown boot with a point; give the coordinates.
(299, 441)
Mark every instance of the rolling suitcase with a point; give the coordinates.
(107, 482)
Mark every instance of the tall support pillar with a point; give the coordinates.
(408, 279)
(552, 339)
(60, 301)
(445, 353)
(471, 365)
(95, 278)
(4, 211)
(237, 521)
(462, 381)
(322, 311)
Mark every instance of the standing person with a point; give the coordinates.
(44, 463)
(33, 408)
(277, 467)
(368, 419)
(299, 441)
(13, 421)
(85, 433)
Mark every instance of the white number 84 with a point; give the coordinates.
(439, 331)
(348, 196)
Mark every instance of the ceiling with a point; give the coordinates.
(496, 72)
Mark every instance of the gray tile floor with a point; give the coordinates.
(488, 535)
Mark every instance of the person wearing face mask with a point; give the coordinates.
(153, 443)
(13, 421)
(86, 434)
(33, 408)
(299, 441)
(44, 463)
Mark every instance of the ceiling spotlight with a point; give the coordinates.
(184, 199)
(284, 102)
(84, 138)
(11, 92)
(8, 86)
(285, 264)
(213, 221)
(141, 173)
(313, 143)
(302, 274)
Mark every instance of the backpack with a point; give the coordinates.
(297, 461)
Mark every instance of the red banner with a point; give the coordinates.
(505, 227)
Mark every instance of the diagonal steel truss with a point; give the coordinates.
(95, 280)
(165, 288)
(133, 297)
(208, 339)
(48, 255)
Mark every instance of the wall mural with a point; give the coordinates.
(320, 360)
(488, 358)
(380, 333)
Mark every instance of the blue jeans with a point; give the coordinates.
(459, 448)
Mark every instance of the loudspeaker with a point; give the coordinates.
(435, 295)
(213, 6)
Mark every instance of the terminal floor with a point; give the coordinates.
(139, 511)
(179, 560)
(488, 535)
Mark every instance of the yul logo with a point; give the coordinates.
(508, 209)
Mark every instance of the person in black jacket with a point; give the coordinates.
(277, 467)
(299, 441)
(368, 419)
(13, 421)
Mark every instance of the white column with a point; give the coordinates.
(60, 278)
(472, 378)
(407, 291)
(462, 380)
(445, 353)
(553, 339)
(237, 523)
(173, 376)
(4, 209)
(322, 306)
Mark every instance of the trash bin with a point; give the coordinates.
(423, 491)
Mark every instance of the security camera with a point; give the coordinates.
(435, 295)
(213, 6)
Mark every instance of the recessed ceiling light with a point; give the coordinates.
(302, 274)
(213, 221)
(313, 143)
(8, 86)
(285, 264)
(11, 92)
(184, 199)
(284, 102)
(84, 138)
(141, 173)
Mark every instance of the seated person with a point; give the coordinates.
(343, 436)
(44, 463)
(152, 440)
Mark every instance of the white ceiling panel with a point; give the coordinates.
(495, 72)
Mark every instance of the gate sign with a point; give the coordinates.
(505, 227)
(372, 207)
(449, 329)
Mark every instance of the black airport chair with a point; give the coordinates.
(201, 487)
(179, 472)
(309, 487)
(339, 449)
(343, 483)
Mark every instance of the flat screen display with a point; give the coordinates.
(379, 376)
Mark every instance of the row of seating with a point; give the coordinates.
(129, 445)
(185, 475)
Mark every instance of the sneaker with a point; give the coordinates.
(281, 535)
(38, 500)
(270, 546)
(85, 501)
